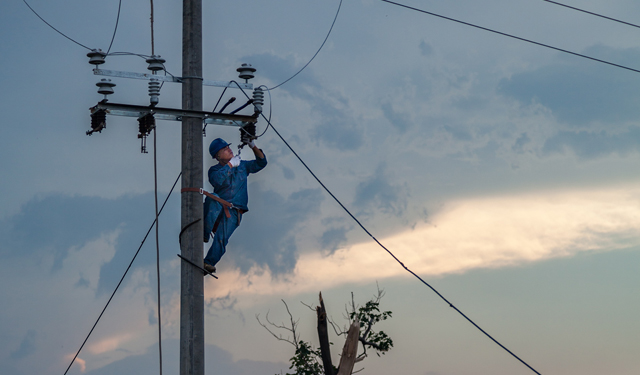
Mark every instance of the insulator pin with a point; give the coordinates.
(155, 63)
(246, 72)
(105, 87)
(96, 57)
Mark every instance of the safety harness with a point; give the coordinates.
(225, 205)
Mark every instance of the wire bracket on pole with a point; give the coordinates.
(172, 114)
(169, 78)
(197, 266)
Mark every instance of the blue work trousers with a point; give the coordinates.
(226, 227)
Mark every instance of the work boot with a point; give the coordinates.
(209, 268)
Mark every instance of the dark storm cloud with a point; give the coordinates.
(54, 224)
(582, 92)
(338, 131)
(399, 120)
(377, 193)
(333, 238)
(334, 124)
(267, 233)
(58, 223)
(588, 145)
(27, 346)
(425, 48)
(216, 358)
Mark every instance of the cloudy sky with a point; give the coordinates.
(504, 173)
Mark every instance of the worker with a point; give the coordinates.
(229, 180)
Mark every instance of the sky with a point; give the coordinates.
(503, 173)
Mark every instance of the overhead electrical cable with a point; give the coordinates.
(115, 29)
(592, 13)
(58, 31)
(155, 190)
(318, 51)
(76, 42)
(123, 276)
(513, 36)
(153, 47)
(155, 184)
(393, 256)
(384, 247)
(142, 56)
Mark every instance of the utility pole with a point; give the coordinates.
(192, 279)
(193, 118)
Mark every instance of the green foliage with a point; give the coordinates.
(305, 361)
(369, 315)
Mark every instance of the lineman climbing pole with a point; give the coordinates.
(192, 117)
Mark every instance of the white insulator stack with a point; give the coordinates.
(154, 91)
(258, 99)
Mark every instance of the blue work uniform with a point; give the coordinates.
(230, 184)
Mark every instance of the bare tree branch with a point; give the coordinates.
(279, 337)
(293, 324)
(309, 306)
(335, 328)
(353, 303)
(291, 329)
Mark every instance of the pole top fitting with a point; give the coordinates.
(105, 87)
(96, 57)
(246, 72)
(155, 63)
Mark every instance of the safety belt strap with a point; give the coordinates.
(225, 205)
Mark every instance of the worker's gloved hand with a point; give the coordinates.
(251, 144)
(235, 161)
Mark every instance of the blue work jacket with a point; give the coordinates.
(230, 183)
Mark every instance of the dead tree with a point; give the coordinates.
(323, 336)
(309, 361)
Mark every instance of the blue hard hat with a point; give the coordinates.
(217, 145)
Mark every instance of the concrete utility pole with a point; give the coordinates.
(192, 117)
(192, 280)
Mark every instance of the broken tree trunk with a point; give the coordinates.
(323, 336)
(350, 350)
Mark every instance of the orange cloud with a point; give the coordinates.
(81, 362)
(471, 233)
(110, 343)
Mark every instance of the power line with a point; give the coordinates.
(155, 184)
(592, 13)
(123, 276)
(153, 45)
(76, 42)
(384, 247)
(393, 256)
(155, 191)
(113, 37)
(318, 51)
(513, 36)
(48, 24)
